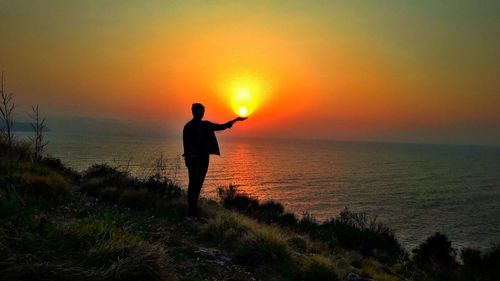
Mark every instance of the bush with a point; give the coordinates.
(356, 231)
(51, 187)
(288, 220)
(110, 176)
(88, 250)
(492, 262)
(232, 199)
(137, 199)
(110, 194)
(262, 246)
(226, 228)
(478, 266)
(317, 267)
(353, 231)
(267, 212)
(14, 216)
(111, 185)
(298, 243)
(57, 165)
(162, 186)
(436, 257)
(92, 186)
(307, 224)
(435, 250)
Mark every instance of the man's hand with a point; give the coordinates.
(230, 123)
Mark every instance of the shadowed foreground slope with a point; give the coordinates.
(103, 224)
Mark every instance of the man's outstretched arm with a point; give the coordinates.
(227, 125)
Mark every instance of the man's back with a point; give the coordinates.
(199, 138)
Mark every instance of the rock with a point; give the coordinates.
(355, 277)
(213, 255)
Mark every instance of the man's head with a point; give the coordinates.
(198, 110)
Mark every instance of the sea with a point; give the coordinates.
(416, 189)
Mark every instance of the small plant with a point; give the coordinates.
(226, 228)
(50, 187)
(231, 198)
(263, 246)
(298, 243)
(137, 199)
(7, 107)
(436, 257)
(481, 266)
(109, 175)
(435, 250)
(317, 267)
(162, 187)
(86, 250)
(267, 212)
(307, 224)
(57, 165)
(39, 127)
(356, 231)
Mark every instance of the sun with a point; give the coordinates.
(243, 102)
(243, 111)
(244, 98)
(244, 93)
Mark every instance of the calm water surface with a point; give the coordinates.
(416, 189)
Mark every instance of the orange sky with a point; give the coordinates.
(415, 71)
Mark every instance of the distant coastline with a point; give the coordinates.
(26, 127)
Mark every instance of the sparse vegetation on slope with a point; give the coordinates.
(104, 224)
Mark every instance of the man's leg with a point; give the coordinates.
(197, 174)
(192, 186)
(203, 169)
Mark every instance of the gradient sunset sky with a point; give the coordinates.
(412, 71)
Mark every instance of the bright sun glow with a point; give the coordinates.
(245, 96)
(242, 102)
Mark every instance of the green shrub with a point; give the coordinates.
(491, 260)
(56, 164)
(162, 186)
(298, 242)
(267, 212)
(142, 261)
(87, 250)
(13, 215)
(138, 199)
(435, 250)
(51, 187)
(356, 231)
(479, 266)
(95, 234)
(288, 220)
(317, 267)
(92, 186)
(436, 257)
(307, 224)
(232, 199)
(110, 176)
(226, 228)
(352, 231)
(110, 194)
(112, 185)
(262, 246)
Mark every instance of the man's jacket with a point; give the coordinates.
(199, 138)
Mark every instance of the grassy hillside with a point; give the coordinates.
(104, 224)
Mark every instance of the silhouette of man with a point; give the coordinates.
(199, 142)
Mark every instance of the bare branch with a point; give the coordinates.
(7, 107)
(38, 126)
